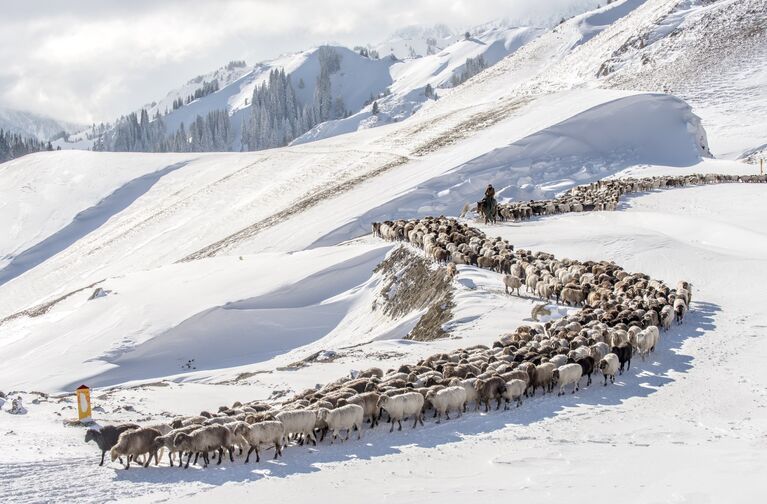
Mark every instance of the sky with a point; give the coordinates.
(92, 61)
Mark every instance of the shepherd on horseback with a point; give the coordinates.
(488, 207)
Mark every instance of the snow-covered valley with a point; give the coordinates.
(177, 283)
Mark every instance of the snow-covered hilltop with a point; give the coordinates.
(175, 283)
(396, 82)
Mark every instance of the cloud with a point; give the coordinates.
(92, 61)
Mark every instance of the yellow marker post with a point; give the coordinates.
(83, 394)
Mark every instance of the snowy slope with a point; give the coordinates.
(239, 276)
(412, 41)
(712, 54)
(411, 76)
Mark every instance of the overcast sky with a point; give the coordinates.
(88, 61)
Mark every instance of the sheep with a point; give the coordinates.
(512, 282)
(609, 365)
(402, 406)
(680, 310)
(270, 431)
(219, 421)
(185, 422)
(471, 392)
(514, 390)
(666, 317)
(299, 422)
(646, 340)
(567, 374)
(345, 417)
(107, 436)
(135, 442)
(558, 360)
(447, 398)
(369, 403)
(623, 352)
(587, 367)
(166, 441)
(203, 440)
(492, 388)
(543, 377)
(163, 428)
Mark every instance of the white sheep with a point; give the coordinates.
(133, 443)
(471, 392)
(515, 389)
(270, 431)
(299, 422)
(402, 406)
(166, 441)
(558, 360)
(567, 374)
(369, 403)
(446, 399)
(543, 376)
(666, 317)
(599, 350)
(206, 439)
(343, 418)
(609, 365)
(512, 282)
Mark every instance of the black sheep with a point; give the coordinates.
(587, 367)
(624, 355)
(107, 436)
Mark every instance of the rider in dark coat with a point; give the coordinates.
(489, 201)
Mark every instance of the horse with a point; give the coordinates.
(488, 208)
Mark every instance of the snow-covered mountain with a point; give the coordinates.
(416, 41)
(398, 82)
(34, 125)
(175, 283)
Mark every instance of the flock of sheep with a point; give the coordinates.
(622, 314)
(605, 194)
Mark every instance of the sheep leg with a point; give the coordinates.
(400, 425)
(170, 458)
(188, 458)
(127, 461)
(220, 455)
(102, 457)
(359, 431)
(447, 414)
(420, 419)
(278, 450)
(416, 420)
(392, 425)
(312, 438)
(148, 460)
(196, 456)
(348, 431)
(231, 453)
